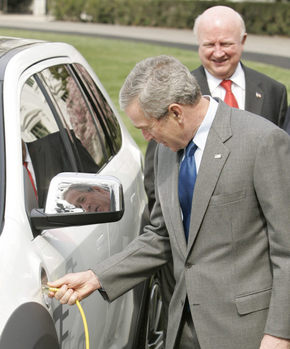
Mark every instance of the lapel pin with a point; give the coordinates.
(258, 95)
(217, 156)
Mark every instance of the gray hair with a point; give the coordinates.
(158, 82)
(240, 18)
(82, 188)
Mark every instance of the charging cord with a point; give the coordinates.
(52, 289)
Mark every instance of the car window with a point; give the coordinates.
(102, 109)
(43, 142)
(78, 117)
(66, 124)
(37, 120)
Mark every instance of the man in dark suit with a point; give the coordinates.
(221, 34)
(230, 244)
(287, 121)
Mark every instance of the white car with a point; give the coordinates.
(60, 131)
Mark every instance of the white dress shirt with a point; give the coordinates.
(238, 86)
(203, 130)
(201, 135)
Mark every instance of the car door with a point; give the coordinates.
(127, 166)
(57, 108)
(53, 148)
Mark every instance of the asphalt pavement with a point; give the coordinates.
(273, 50)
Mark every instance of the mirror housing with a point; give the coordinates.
(76, 199)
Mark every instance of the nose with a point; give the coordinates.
(86, 206)
(218, 51)
(146, 135)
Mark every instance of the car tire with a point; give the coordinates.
(152, 334)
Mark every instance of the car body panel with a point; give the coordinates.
(25, 260)
(31, 327)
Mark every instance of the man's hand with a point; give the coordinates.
(75, 286)
(271, 342)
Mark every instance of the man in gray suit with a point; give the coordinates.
(221, 35)
(233, 271)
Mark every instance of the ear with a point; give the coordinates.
(176, 111)
(244, 38)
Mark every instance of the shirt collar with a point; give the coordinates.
(27, 157)
(238, 78)
(203, 130)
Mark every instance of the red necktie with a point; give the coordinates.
(31, 178)
(230, 98)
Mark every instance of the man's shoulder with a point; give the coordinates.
(242, 120)
(258, 76)
(245, 122)
(200, 76)
(198, 72)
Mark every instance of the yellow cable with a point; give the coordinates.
(52, 289)
(85, 324)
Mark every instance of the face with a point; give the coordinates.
(220, 46)
(168, 130)
(97, 200)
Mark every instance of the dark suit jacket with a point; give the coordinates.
(287, 121)
(264, 96)
(49, 157)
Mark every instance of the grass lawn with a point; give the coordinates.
(112, 60)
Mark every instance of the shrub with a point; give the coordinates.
(172, 13)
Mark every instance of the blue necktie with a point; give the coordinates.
(186, 182)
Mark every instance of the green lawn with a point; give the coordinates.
(112, 60)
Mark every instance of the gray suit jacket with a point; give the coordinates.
(235, 268)
(264, 96)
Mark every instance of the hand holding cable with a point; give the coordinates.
(74, 286)
(71, 289)
(53, 290)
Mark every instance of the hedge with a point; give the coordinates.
(16, 6)
(260, 18)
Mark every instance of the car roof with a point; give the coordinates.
(8, 44)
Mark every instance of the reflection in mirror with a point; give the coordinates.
(83, 192)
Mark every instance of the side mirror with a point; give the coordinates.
(80, 199)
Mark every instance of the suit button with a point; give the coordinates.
(188, 265)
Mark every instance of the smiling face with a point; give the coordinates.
(220, 41)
